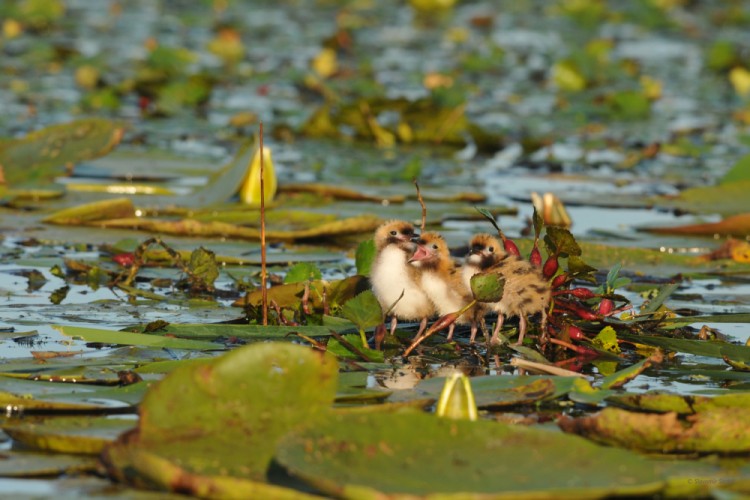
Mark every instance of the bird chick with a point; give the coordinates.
(439, 278)
(526, 292)
(391, 275)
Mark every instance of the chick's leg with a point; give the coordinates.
(522, 324)
(495, 338)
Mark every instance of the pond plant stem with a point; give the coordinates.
(263, 276)
(421, 204)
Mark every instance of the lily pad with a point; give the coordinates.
(28, 464)
(127, 338)
(224, 418)
(354, 455)
(40, 156)
(720, 430)
(78, 435)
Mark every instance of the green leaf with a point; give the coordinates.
(302, 272)
(487, 287)
(27, 464)
(365, 256)
(363, 310)
(710, 348)
(223, 419)
(664, 292)
(127, 338)
(500, 392)
(622, 377)
(203, 265)
(254, 332)
(395, 455)
(561, 240)
(80, 435)
(116, 208)
(720, 430)
(606, 340)
(40, 157)
(338, 349)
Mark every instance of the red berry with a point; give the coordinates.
(575, 333)
(606, 307)
(559, 280)
(550, 267)
(511, 247)
(124, 259)
(536, 257)
(582, 293)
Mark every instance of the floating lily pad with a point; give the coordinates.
(127, 338)
(682, 404)
(27, 464)
(41, 156)
(397, 455)
(223, 419)
(78, 435)
(719, 430)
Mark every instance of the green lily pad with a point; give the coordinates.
(710, 348)
(224, 418)
(663, 402)
(116, 208)
(496, 392)
(360, 455)
(79, 435)
(27, 464)
(14, 403)
(41, 156)
(719, 430)
(127, 338)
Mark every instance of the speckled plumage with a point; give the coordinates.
(526, 291)
(391, 275)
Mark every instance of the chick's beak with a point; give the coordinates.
(420, 253)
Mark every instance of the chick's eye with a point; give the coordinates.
(491, 249)
(434, 247)
(394, 233)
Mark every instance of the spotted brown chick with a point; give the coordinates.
(526, 291)
(391, 275)
(438, 277)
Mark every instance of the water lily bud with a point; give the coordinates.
(457, 399)
(250, 189)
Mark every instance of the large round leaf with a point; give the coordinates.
(402, 454)
(225, 417)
